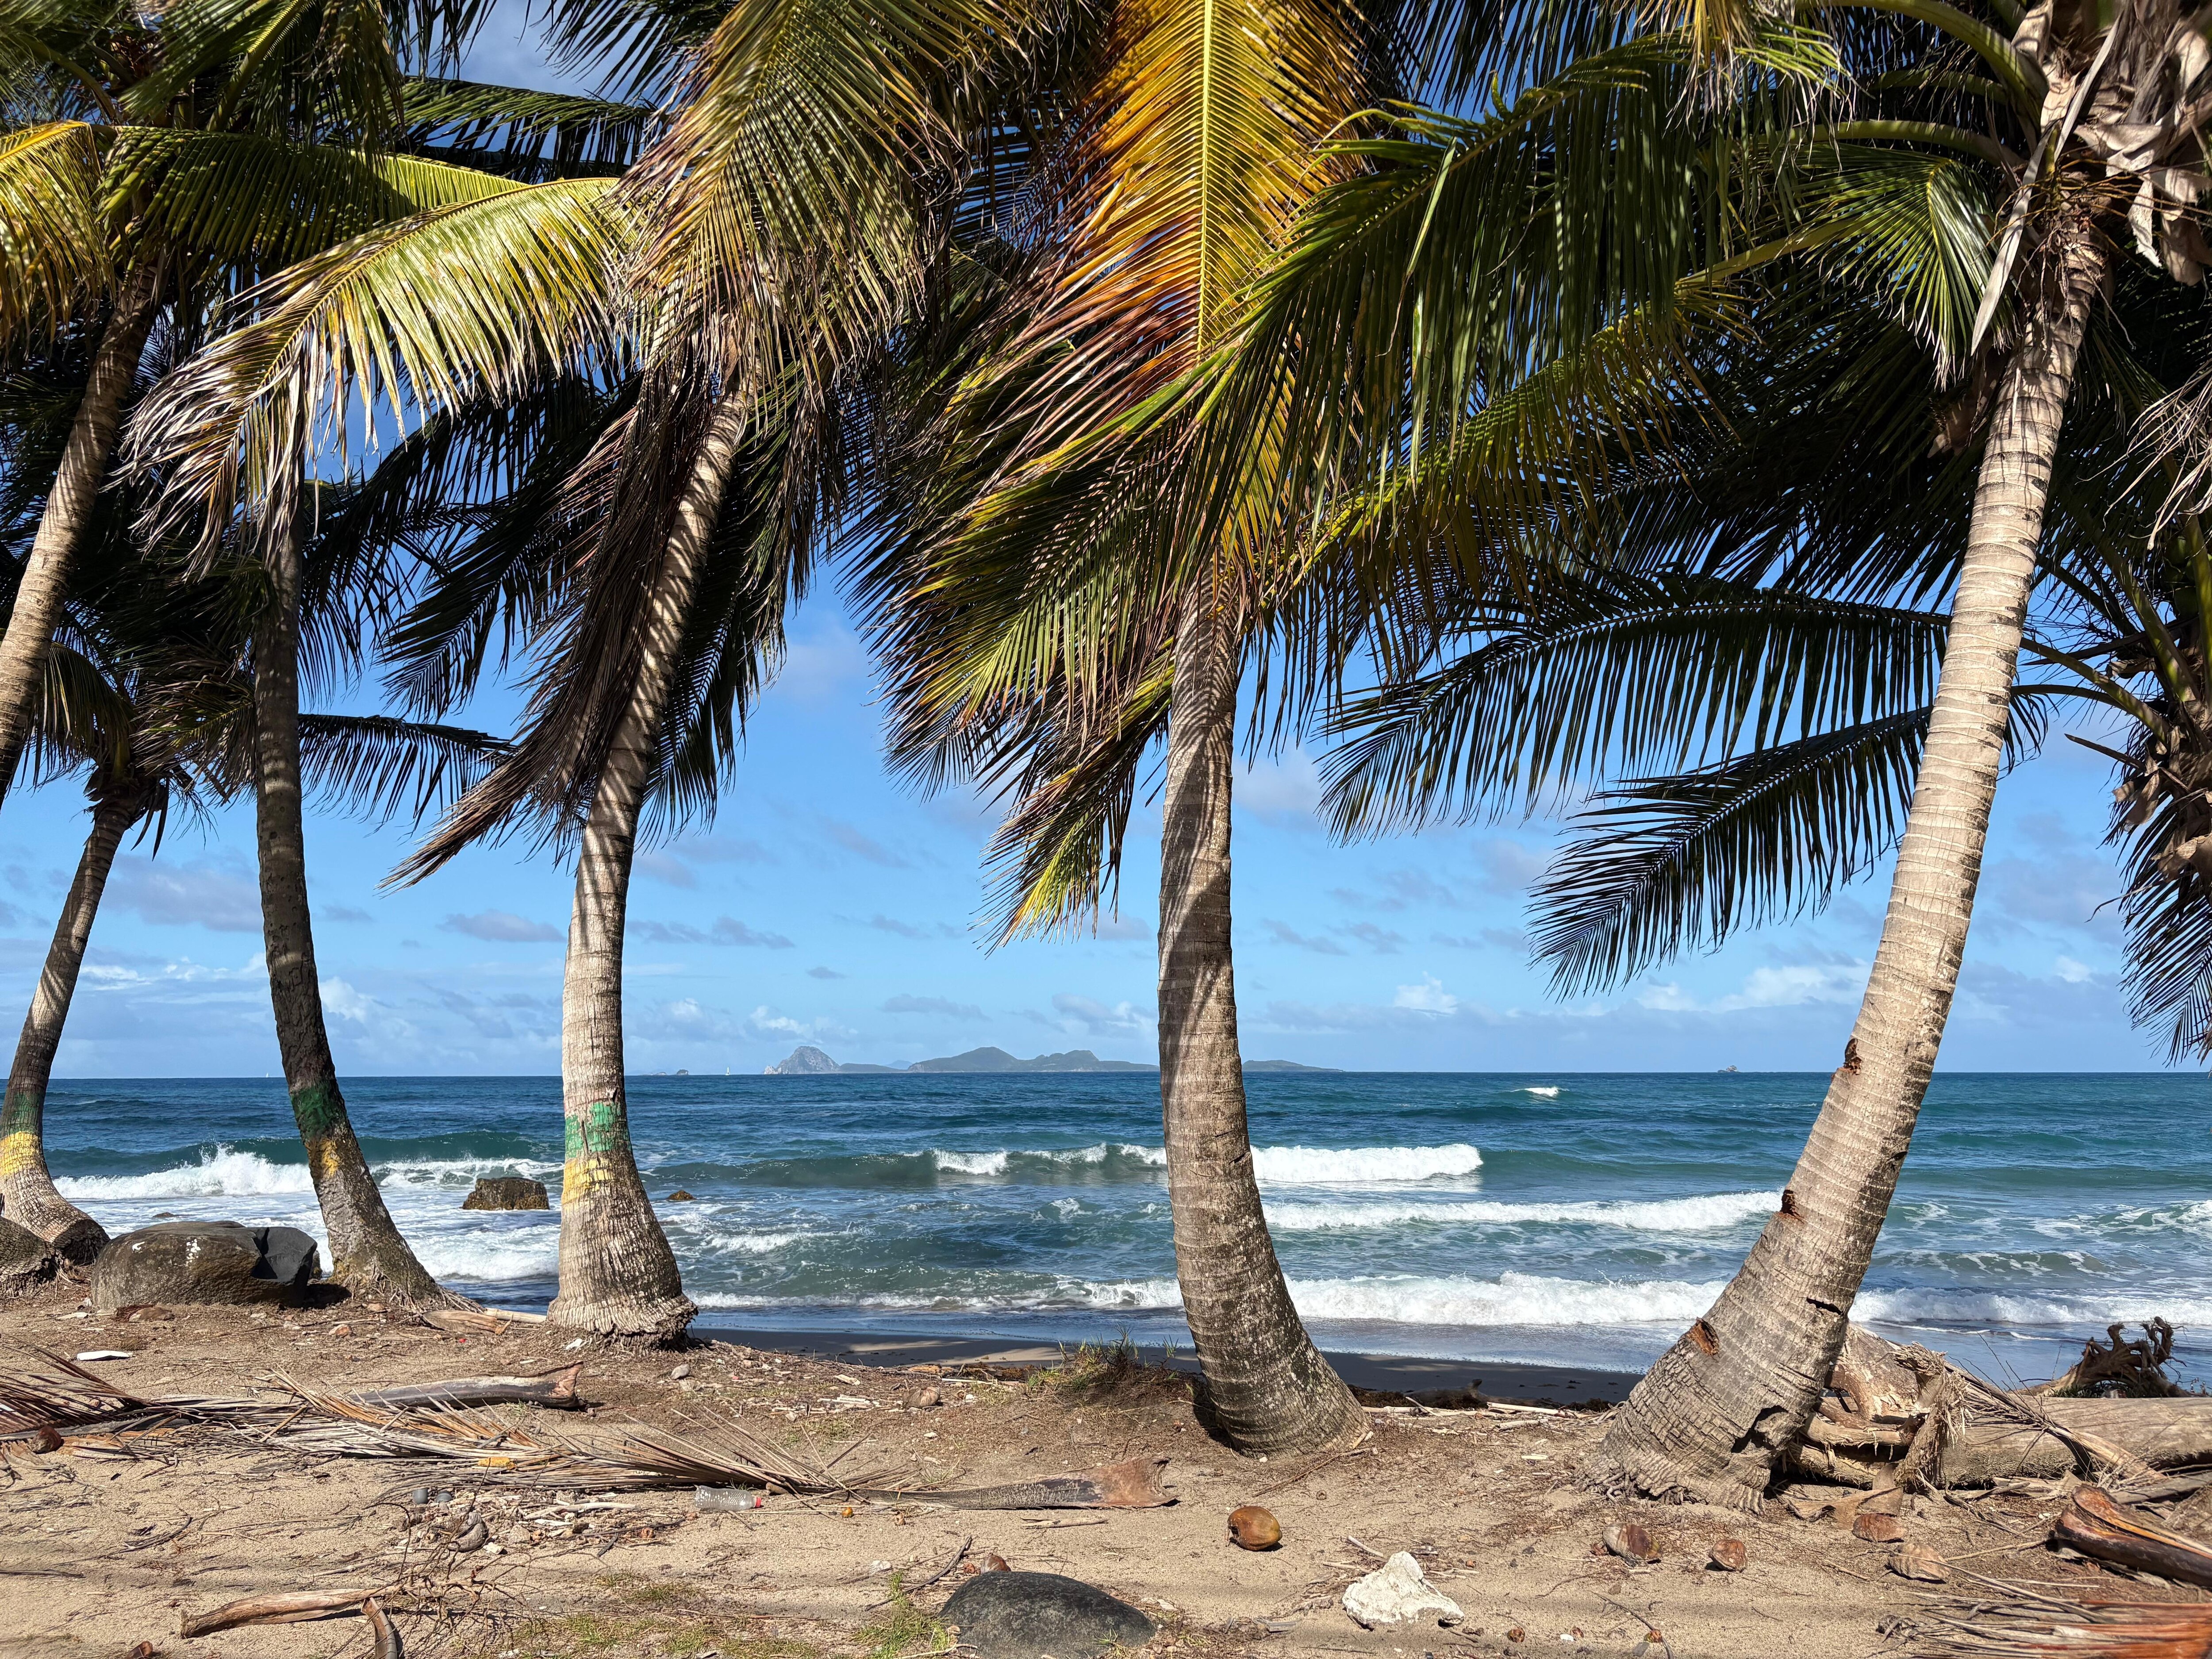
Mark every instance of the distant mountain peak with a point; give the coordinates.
(805, 1061)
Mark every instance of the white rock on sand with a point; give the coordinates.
(1399, 1593)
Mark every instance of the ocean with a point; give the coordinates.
(1561, 1219)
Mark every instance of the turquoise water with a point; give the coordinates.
(1558, 1218)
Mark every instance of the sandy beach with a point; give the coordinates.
(103, 1549)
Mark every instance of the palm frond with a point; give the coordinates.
(476, 299)
(376, 766)
(54, 253)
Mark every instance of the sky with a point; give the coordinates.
(827, 904)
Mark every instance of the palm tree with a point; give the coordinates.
(151, 164)
(2067, 117)
(142, 692)
(771, 237)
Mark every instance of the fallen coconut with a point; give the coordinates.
(1255, 1528)
(1919, 1562)
(1730, 1555)
(1631, 1542)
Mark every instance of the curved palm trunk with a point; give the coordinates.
(1266, 1387)
(28, 1196)
(70, 505)
(618, 1277)
(1718, 1411)
(368, 1255)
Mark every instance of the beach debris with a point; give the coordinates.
(679, 1373)
(385, 1638)
(91, 1356)
(507, 1193)
(141, 1311)
(205, 1262)
(2096, 1526)
(555, 1389)
(1730, 1555)
(1255, 1528)
(1877, 1528)
(1399, 1593)
(995, 1563)
(927, 1398)
(481, 1322)
(341, 1330)
(142, 1651)
(1134, 1484)
(1631, 1542)
(2026, 1626)
(46, 1439)
(1517, 1634)
(2119, 1368)
(1917, 1562)
(1022, 1615)
(294, 1608)
(473, 1537)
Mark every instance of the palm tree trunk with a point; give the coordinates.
(69, 505)
(28, 1194)
(1714, 1416)
(368, 1255)
(618, 1277)
(1267, 1387)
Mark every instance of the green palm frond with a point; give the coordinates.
(283, 65)
(527, 134)
(476, 299)
(1612, 671)
(53, 244)
(1662, 866)
(376, 766)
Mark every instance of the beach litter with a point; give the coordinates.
(1399, 1593)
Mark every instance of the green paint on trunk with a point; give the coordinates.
(318, 1108)
(19, 1114)
(598, 1127)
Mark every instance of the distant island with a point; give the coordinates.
(806, 1061)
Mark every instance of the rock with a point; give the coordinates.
(45, 1439)
(1631, 1542)
(1255, 1528)
(679, 1196)
(475, 1538)
(1399, 1593)
(341, 1330)
(507, 1193)
(805, 1061)
(1027, 1615)
(1918, 1562)
(144, 1311)
(27, 1263)
(515, 1536)
(927, 1398)
(1878, 1528)
(996, 1564)
(1730, 1555)
(216, 1261)
(679, 1373)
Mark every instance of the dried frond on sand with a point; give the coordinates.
(2024, 1626)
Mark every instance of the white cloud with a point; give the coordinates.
(347, 1003)
(2072, 972)
(502, 927)
(1791, 986)
(223, 896)
(1428, 997)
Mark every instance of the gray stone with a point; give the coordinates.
(27, 1263)
(507, 1193)
(1028, 1615)
(206, 1262)
(1399, 1593)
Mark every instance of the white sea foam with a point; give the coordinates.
(1548, 1092)
(1412, 1299)
(221, 1173)
(1322, 1166)
(1970, 1306)
(1707, 1212)
(485, 1254)
(754, 1243)
(975, 1164)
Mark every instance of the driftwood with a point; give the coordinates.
(554, 1388)
(294, 1608)
(1133, 1484)
(2134, 1368)
(1900, 1415)
(2096, 1526)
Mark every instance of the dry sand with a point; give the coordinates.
(99, 1554)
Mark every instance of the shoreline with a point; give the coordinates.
(1384, 1373)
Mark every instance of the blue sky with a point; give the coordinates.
(827, 905)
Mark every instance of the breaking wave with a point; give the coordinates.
(1707, 1213)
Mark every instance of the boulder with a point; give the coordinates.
(218, 1261)
(27, 1263)
(1027, 1615)
(1399, 1593)
(507, 1193)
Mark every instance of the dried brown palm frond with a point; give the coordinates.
(2031, 1627)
